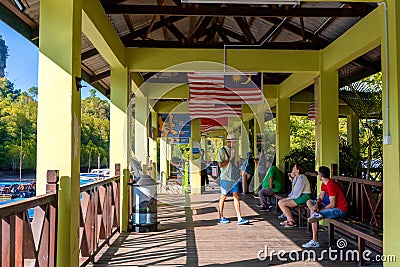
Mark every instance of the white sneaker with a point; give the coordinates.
(311, 244)
(315, 217)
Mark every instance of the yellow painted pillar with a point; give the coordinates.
(153, 145)
(282, 131)
(391, 150)
(195, 162)
(244, 144)
(353, 132)
(120, 141)
(163, 161)
(59, 116)
(141, 117)
(258, 125)
(326, 94)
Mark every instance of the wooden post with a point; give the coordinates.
(334, 169)
(117, 169)
(52, 186)
(52, 177)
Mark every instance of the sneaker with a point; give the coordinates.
(282, 216)
(315, 217)
(270, 206)
(243, 221)
(223, 220)
(264, 209)
(256, 196)
(260, 206)
(311, 244)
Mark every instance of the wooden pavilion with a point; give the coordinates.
(306, 52)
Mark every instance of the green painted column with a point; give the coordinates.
(195, 162)
(326, 95)
(163, 161)
(244, 144)
(282, 131)
(59, 116)
(141, 118)
(391, 150)
(353, 128)
(153, 145)
(120, 135)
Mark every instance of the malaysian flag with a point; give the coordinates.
(230, 89)
(208, 125)
(312, 112)
(211, 109)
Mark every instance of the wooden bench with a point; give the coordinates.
(363, 232)
(300, 209)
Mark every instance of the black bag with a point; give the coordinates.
(235, 171)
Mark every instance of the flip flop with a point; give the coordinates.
(290, 224)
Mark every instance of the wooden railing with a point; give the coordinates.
(30, 241)
(99, 216)
(365, 199)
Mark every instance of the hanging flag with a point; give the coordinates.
(229, 89)
(206, 108)
(208, 125)
(311, 111)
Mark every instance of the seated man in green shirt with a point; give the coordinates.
(271, 184)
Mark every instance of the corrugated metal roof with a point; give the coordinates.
(291, 32)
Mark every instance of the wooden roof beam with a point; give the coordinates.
(244, 26)
(235, 11)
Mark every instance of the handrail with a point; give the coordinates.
(26, 204)
(357, 180)
(30, 238)
(95, 184)
(100, 216)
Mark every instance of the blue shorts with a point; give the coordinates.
(324, 202)
(229, 187)
(332, 213)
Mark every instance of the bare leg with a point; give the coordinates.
(236, 202)
(221, 206)
(314, 227)
(285, 207)
(244, 182)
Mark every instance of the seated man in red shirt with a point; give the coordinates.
(336, 208)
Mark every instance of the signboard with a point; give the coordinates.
(175, 127)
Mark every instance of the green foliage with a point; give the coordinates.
(18, 111)
(7, 89)
(302, 133)
(269, 138)
(16, 115)
(95, 131)
(3, 56)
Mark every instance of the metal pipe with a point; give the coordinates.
(387, 140)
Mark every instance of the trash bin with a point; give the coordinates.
(144, 206)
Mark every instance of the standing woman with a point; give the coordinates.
(247, 172)
(301, 192)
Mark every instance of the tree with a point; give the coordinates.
(7, 89)
(3, 56)
(95, 130)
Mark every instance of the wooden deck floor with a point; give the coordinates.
(191, 236)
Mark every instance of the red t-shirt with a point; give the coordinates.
(333, 189)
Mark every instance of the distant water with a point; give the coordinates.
(31, 212)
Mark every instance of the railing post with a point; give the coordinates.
(334, 169)
(52, 181)
(117, 169)
(52, 186)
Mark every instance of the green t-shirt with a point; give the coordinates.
(275, 174)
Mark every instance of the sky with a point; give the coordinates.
(22, 62)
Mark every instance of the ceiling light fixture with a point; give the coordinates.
(248, 2)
